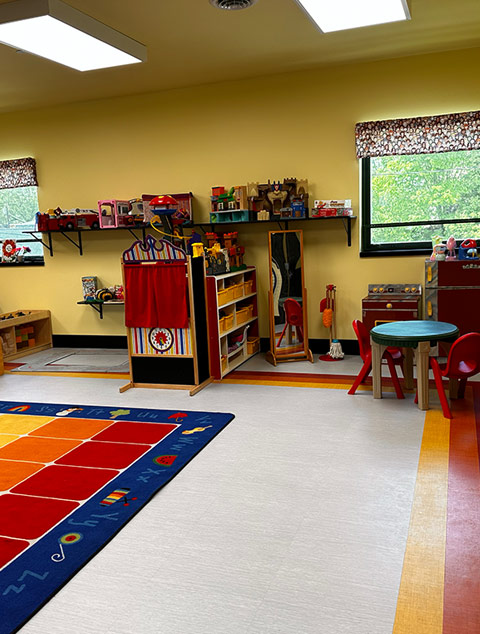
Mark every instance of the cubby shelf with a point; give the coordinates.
(25, 332)
(231, 311)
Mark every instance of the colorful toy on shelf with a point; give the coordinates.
(440, 251)
(325, 208)
(224, 246)
(59, 220)
(89, 286)
(451, 243)
(436, 241)
(104, 295)
(242, 203)
(181, 215)
(117, 213)
(164, 205)
(9, 248)
(468, 250)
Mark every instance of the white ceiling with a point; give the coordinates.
(190, 42)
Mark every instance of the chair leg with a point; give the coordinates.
(437, 375)
(281, 336)
(393, 372)
(462, 384)
(362, 375)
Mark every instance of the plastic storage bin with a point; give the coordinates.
(238, 290)
(225, 296)
(248, 287)
(242, 316)
(253, 345)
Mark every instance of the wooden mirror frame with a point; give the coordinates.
(275, 355)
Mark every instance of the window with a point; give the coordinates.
(18, 206)
(408, 199)
(420, 179)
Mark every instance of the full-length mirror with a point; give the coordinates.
(287, 298)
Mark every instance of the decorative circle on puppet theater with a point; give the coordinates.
(161, 339)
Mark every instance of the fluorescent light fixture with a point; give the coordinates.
(338, 15)
(53, 29)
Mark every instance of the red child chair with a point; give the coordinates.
(393, 357)
(293, 317)
(463, 362)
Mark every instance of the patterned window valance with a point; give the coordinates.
(18, 173)
(422, 135)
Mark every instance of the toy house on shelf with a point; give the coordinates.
(256, 201)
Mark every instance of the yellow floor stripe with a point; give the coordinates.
(324, 386)
(420, 599)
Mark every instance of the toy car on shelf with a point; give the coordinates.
(59, 220)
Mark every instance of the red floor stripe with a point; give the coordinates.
(462, 557)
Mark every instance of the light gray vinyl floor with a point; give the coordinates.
(293, 520)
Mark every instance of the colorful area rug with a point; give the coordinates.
(70, 478)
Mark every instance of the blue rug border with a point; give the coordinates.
(33, 578)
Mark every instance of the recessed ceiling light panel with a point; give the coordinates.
(338, 15)
(232, 5)
(56, 31)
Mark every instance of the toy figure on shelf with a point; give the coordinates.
(277, 197)
(440, 251)
(451, 243)
(436, 242)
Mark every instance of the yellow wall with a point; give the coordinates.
(299, 124)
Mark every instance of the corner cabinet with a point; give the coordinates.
(232, 320)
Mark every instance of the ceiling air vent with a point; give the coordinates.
(232, 5)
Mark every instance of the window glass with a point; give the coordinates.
(18, 207)
(422, 193)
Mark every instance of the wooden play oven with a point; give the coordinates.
(391, 302)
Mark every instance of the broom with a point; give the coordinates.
(328, 307)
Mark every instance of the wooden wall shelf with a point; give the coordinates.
(67, 233)
(98, 304)
(283, 223)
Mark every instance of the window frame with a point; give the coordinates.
(367, 249)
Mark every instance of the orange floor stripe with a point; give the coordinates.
(462, 559)
(420, 599)
(286, 383)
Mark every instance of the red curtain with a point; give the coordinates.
(156, 295)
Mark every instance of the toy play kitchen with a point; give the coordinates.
(391, 302)
(452, 293)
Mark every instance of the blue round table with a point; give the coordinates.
(416, 334)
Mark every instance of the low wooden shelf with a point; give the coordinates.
(232, 306)
(40, 323)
